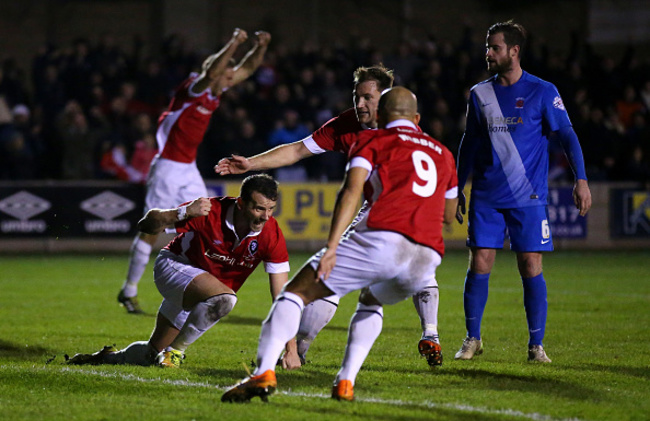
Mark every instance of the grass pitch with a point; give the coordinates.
(597, 335)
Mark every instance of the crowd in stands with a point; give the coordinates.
(88, 110)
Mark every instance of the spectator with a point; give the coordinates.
(78, 144)
(627, 106)
(112, 87)
(143, 153)
(289, 130)
(32, 137)
(114, 163)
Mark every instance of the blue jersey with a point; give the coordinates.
(505, 144)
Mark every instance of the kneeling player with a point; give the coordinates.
(221, 241)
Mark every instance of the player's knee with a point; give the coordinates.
(481, 260)
(427, 294)
(530, 264)
(370, 308)
(433, 283)
(302, 282)
(219, 306)
(366, 298)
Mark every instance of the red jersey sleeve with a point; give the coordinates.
(190, 224)
(332, 135)
(276, 245)
(361, 145)
(451, 161)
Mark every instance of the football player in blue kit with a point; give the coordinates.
(510, 119)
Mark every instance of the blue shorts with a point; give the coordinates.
(527, 227)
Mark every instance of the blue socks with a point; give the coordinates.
(536, 306)
(474, 300)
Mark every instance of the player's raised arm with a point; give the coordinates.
(215, 65)
(280, 156)
(253, 58)
(156, 220)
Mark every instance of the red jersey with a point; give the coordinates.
(331, 135)
(210, 243)
(182, 126)
(335, 135)
(411, 176)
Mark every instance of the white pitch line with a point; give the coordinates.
(395, 402)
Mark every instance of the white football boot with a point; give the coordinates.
(471, 347)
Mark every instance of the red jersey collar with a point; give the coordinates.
(230, 223)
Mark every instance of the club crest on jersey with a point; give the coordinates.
(252, 247)
(557, 103)
(519, 103)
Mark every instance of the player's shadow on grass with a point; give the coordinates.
(343, 411)
(254, 321)
(642, 372)
(239, 320)
(288, 378)
(533, 383)
(13, 351)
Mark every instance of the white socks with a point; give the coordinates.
(315, 317)
(426, 304)
(140, 252)
(279, 327)
(203, 316)
(137, 353)
(365, 327)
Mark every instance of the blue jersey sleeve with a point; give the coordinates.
(553, 109)
(468, 144)
(569, 140)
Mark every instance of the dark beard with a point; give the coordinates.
(500, 68)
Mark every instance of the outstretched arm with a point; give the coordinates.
(156, 220)
(253, 58)
(215, 65)
(277, 157)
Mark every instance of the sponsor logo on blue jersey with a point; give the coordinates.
(503, 124)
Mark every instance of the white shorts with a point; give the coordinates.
(171, 183)
(172, 274)
(392, 266)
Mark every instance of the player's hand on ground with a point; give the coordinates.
(199, 207)
(235, 164)
(263, 38)
(239, 35)
(582, 197)
(290, 360)
(460, 209)
(326, 264)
